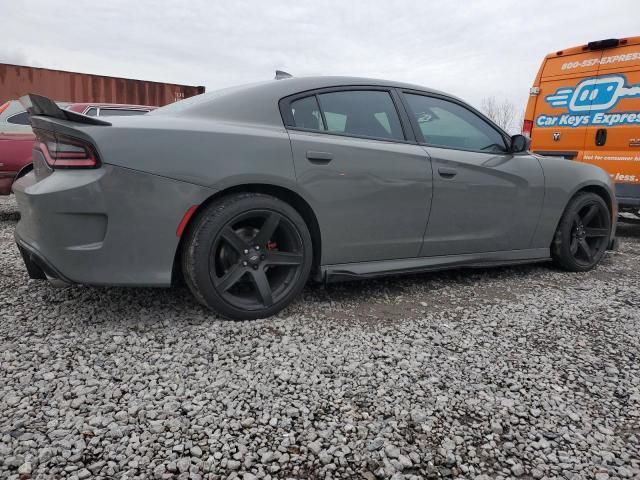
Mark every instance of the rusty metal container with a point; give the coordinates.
(17, 80)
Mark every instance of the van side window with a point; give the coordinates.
(449, 125)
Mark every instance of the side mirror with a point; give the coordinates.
(520, 143)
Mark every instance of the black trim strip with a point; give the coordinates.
(628, 201)
(557, 153)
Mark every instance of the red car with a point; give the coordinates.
(16, 137)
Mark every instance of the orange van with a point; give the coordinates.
(585, 106)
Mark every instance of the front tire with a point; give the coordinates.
(583, 233)
(247, 256)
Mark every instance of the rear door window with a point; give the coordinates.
(362, 113)
(119, 112)
(306, 113)
(21, 118)
(446, 124)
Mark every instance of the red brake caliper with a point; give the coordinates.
(272, 245)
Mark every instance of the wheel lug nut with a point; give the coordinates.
(246, 251)
(255, 267)
(244, 263)
(262, 257)
(257, 247)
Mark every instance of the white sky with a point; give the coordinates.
(470, 49)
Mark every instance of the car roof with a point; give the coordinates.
(311, 83)
(257, 103)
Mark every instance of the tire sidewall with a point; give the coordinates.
(208, 225)
(562, 250)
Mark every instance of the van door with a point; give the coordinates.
(613, 136)
(559, 130)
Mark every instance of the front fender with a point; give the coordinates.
(563, 180)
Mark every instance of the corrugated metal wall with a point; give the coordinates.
(16, 80)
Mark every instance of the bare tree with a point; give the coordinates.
(501, 112)
(520, 123)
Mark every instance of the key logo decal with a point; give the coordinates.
(589, 101)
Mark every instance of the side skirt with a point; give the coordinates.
(364, 270)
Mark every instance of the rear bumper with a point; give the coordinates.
(37, 265)
(6, 181)
(108, 226)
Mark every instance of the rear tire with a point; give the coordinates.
(582, 236)
(247, 256)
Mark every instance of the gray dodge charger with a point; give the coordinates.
(246, 193)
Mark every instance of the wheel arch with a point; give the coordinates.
(24, 170)
(597, 189)
(601, 192)
(283, 193)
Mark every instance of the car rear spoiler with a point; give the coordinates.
(45, 107)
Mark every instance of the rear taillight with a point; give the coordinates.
(62, 151)
(4, 106)
(527, 125)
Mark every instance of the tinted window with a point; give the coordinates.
(92, 112)
(119, 112)
(448, 124)
(21, 118)
(306, 113)
(362, 113)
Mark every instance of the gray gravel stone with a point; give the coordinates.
(315, 447)
(521, 372)
(183, 464)
(517, 470)
(375, 444)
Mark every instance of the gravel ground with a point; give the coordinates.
(516, 372)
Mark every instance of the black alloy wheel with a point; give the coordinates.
(583, 233)
(589, 232)
(256, 259)
(248, 256)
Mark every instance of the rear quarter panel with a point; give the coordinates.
(199, 151)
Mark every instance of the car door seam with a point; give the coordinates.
(426, 225)
(542, 205)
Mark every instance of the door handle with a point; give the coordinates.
(446, 172)
(319, 157)
(601, 136)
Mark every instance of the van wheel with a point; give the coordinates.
(583, 233)
(247, 256)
